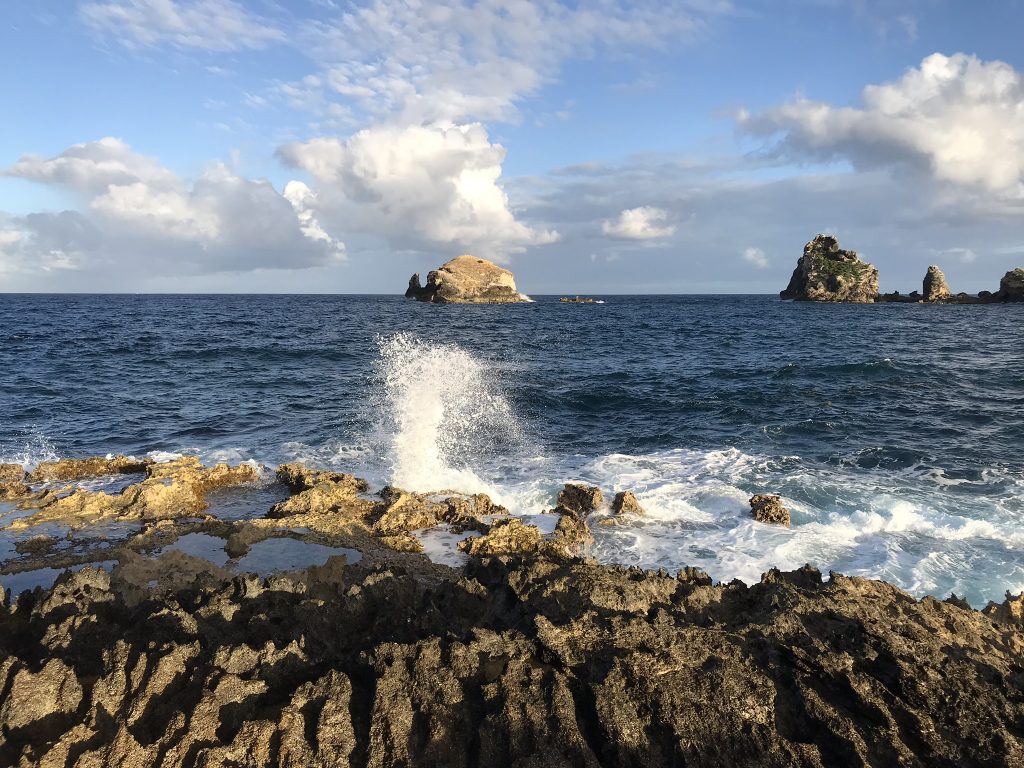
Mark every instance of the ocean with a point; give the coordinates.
(893, 432)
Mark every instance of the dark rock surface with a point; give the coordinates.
(535, 662)
(626, 503)
(466, 280)
(1011, 287)
(828, 273)
(582, 499)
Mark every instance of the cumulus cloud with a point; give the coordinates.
(417, 186)
(219, 221)
(213, 25)
(465, 60)
(756, 257)
(957, 117)
(643, 223)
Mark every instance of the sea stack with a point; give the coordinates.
(1011, 287)
(826, 272)
(935, 286)
(466, 280)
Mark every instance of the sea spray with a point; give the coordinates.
(443, 413)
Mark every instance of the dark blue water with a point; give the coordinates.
(894, 432)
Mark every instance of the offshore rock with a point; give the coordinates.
(576, 300)
(582, 499)
(769, 509)
(828, 273)
(935, 286)
(466, 280)
(626, 503)
(519, 662)
(1011, 287)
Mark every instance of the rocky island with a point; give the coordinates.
(466, 280)
(827, 273)
(529, 653)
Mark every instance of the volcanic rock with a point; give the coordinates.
(769, 509)
(626, 503)
(582, 499)
(935, 286)
(466, 280)
(826, 272)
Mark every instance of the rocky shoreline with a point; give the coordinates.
(529, 654)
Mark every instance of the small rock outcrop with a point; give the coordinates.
(466, 280)
(582, 499)
(769, 509)
(576, 300)
(935, 286)
(626, 503)
(1011, 287)
(826, 272)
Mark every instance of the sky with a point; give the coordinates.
(600, 147)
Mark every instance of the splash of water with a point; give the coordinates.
(444, 414)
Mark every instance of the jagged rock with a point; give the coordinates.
(299, 477)
(1011, 287)
(402, 542)
(768, 509)
(466, 280)
(170, 490)
(506, 537)
(826, 272)
(468, 513)
(404, 512)
(12, 473)
(626, 503)
(318, 492)
(1010, 611)
(538, 661)
(571, 535)
(935, 286)
(80, 469)
(582, 499)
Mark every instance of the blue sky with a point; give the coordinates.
(320, 145)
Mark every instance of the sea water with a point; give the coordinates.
(894, 433)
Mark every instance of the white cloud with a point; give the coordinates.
(217, 222)
(417, 186)
(643, 223)
(957, 117)
(213, 25)
(465, 60)
(756, 257)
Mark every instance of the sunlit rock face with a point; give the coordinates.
(826, 272)
(466, 280)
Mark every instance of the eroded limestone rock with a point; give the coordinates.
(828, 273)
(506, 537)
(466, 280)
(769, 509)
(582, 499)
(626, 503)
(935, 287)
